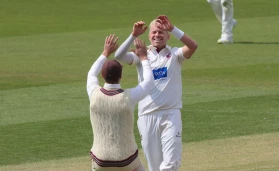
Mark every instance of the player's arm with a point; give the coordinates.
(122, 52)
(92, 77)
(140, 91)
(190, 45)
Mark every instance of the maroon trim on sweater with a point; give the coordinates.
(108, 163)
(111, 92)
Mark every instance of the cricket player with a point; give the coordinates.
(112, 111)
(223, 9)
(159, 120)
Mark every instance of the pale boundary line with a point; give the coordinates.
(246, 153)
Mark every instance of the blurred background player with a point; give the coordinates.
(223, 10)
(112, 111)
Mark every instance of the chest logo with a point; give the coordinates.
(160, 73)
(168, 56)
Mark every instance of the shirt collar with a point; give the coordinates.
(112, 86)
(154, 48)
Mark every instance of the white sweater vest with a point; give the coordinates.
(112, 119)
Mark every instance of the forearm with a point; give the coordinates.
(121, 52)
(147, 74)
(97, 66)
(139, 92)
(184, 38)
(92, 76)
(190, 45)
(189, 42)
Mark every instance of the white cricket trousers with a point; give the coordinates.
(161, 139)
(223, 10)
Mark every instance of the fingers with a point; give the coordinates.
(115, 40)
(165, 23)
(106, 41)
(111, 39)
(110, 45)
(163, 17)
(138, 43)
(139, 24)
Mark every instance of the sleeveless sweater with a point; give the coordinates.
(112, 120)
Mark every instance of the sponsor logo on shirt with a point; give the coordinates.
(160, 73)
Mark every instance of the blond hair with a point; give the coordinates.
(154, 23)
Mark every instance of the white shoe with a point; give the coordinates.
(225, 39)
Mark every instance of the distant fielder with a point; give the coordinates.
(223, 10)
(159, 119)
(112, 111)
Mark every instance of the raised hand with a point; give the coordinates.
(140, 49)
(139, 28)
(165, 23)
(110, 45)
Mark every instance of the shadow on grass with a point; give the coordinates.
(247, 42)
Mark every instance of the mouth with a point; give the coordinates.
(157, 40)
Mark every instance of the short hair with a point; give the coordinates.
(112, 71)
(154, 23)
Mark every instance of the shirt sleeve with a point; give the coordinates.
(92, 77)
(178, 53)
(143, 89)
(122, 52)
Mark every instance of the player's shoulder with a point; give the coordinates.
(172, 49)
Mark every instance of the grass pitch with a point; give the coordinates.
(244, 153)
(47, 48)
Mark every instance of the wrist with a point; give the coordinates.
(134, 35)
(106, 54)
(177, 33)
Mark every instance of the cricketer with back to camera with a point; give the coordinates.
(112, 111)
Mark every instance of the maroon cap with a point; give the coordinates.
(112, 71)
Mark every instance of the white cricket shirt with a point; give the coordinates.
(166, 67)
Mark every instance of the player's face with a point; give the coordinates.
(158, 37)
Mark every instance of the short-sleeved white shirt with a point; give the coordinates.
(166, 67)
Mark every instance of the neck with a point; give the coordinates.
(159, 49)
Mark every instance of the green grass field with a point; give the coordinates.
(230, 92)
